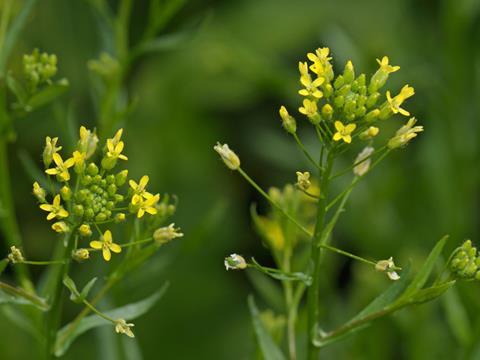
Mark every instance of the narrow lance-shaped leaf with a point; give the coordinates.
(269, 349)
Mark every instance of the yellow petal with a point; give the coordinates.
(133, 184)
(107, 236)
(141, 212)
(62, 213)
(96, 244)
(115, 248)
(339, 126)
(56, 200)
(347, 139)
(51, 216)
(151, 210)
(107, 255)
(69, 162)
(403, 112)
(46, 207)
(122, 157)
(337, 136)
(57, 159)
(350, 127)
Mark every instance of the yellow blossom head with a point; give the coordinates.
(386, 67)
(106, 244)
(343, 132)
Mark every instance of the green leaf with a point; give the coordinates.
(387, 297)
(14, 31)
(268, 289)
(47, 95)
(457, 317)
(68, 334)
(12, 295)
(17, 88)
(269, 349)
(74, 294)
(87, 288)
(422, 276)
(430, 293)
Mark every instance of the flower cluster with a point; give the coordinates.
(93, 194)
(345, 106)
(465, 262)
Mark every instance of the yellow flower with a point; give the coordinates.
(386, 67)
(85, 230)
(15, 255)
(406, 133)
(343, 132)
(39, 192)
(321, 63)
(80, 255)
(122, 327)
(115, 149)
(303, 180)
(55, 209)
(167, 233)
(235, 262)
(146, 205)
(106, 244)
(228, 156)
(309, 108)
(79, 160)
(387, 266)
(88, 142)
(60, 227)
(370, 133)
(398, 100)
(116, 139)
(50, 149)
(311, 87)
(139, 189)
(288, 122)
(62, 167)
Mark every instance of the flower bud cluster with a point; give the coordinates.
(39, 68)
(465, 262)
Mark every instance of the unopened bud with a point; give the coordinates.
(228, 156)
(288, 122)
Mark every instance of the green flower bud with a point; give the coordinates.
(372, 115)
(89, 214)
(338, 101)
(349, 72)
(120, 217)
(327, 90)
(92, 169)
(66, 193)
(339, 82)
(110, 179)
(101, 217)
(372, 99)
(78, 210)
(327, 112)
(121, 178)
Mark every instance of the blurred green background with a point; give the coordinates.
(225, 81)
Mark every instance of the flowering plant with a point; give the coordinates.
(346, 112)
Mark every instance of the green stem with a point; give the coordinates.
(314, 289)
(30, 262)
(291, 310)
(19, 292)
(53, 317)
(98, 312)
(347, 254)
(305, 152)
(270, 200)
